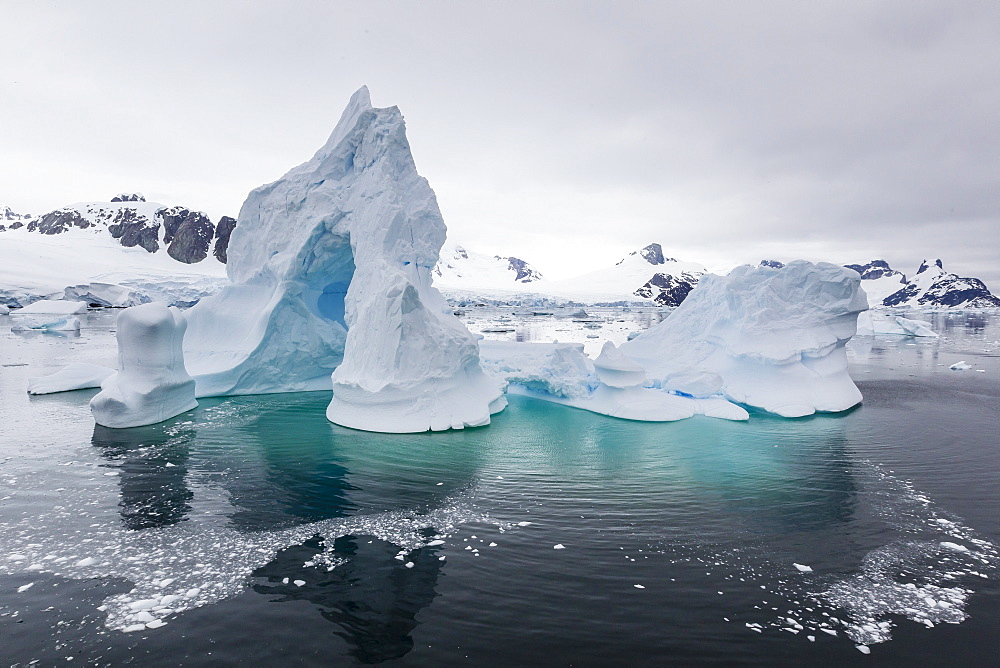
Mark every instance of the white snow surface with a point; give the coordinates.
(484, 276)
(462, 269)
(774, 338)
(54, 307)
(151, 384)
(76, 376)
(330, 268)
(78, 261)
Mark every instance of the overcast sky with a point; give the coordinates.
(567, 134)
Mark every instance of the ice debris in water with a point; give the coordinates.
(804, 569)
(960, 366)
(185, 566)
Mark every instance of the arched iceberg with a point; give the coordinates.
(330, 268)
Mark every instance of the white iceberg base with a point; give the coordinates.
(436, 404)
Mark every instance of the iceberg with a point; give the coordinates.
(151, 384)
(609, 385)
(4, 309)
(330, 273)
(54, 307)
(870, 323)
(76, 376)
(46, 322)
(770, 338)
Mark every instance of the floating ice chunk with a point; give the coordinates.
(151, 384)
(47, 323)
(155, 624)
(4, 309)
(298, 583)
(88, 561)
(24, 588)
(872, 322)
(523, 524)
(775, 337)
(804, 569)
(76, 376)
(960, 366)
(864, 649)
(638, 586)
(558, 546)
(954, 546)
(54, 307)
(435, 542)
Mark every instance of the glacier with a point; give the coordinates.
(151, 384)
(330, 286)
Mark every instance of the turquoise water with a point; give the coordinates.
(311, 544)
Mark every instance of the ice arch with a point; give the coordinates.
(330, 268)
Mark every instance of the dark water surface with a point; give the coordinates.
(281, 539)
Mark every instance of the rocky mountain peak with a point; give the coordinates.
(129, 197)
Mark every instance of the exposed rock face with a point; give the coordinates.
(188, 234)
(667, 290)
(222, 232)
(933, 286)
(773, 264)
(59, 221)
(133, 229)
(185, 234)
(525, 272)
(874, 270)
(653, 254)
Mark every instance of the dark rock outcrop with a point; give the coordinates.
(874, 270)
(58, 221)
(525, 272)
(187, 234)
(133, 229)
(129, 197)
(668, 290)
(773, 264)
(222, 232)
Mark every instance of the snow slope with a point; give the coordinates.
(117, 253)
(644, 276)
(462, 269)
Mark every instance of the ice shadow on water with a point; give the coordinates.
(372, 597)
(153, 466)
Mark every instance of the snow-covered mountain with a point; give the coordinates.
(645, 274)
(10, 218)
(878, 280)
(115, 253)
(462, 269)
(933, 286)
(186, 235)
